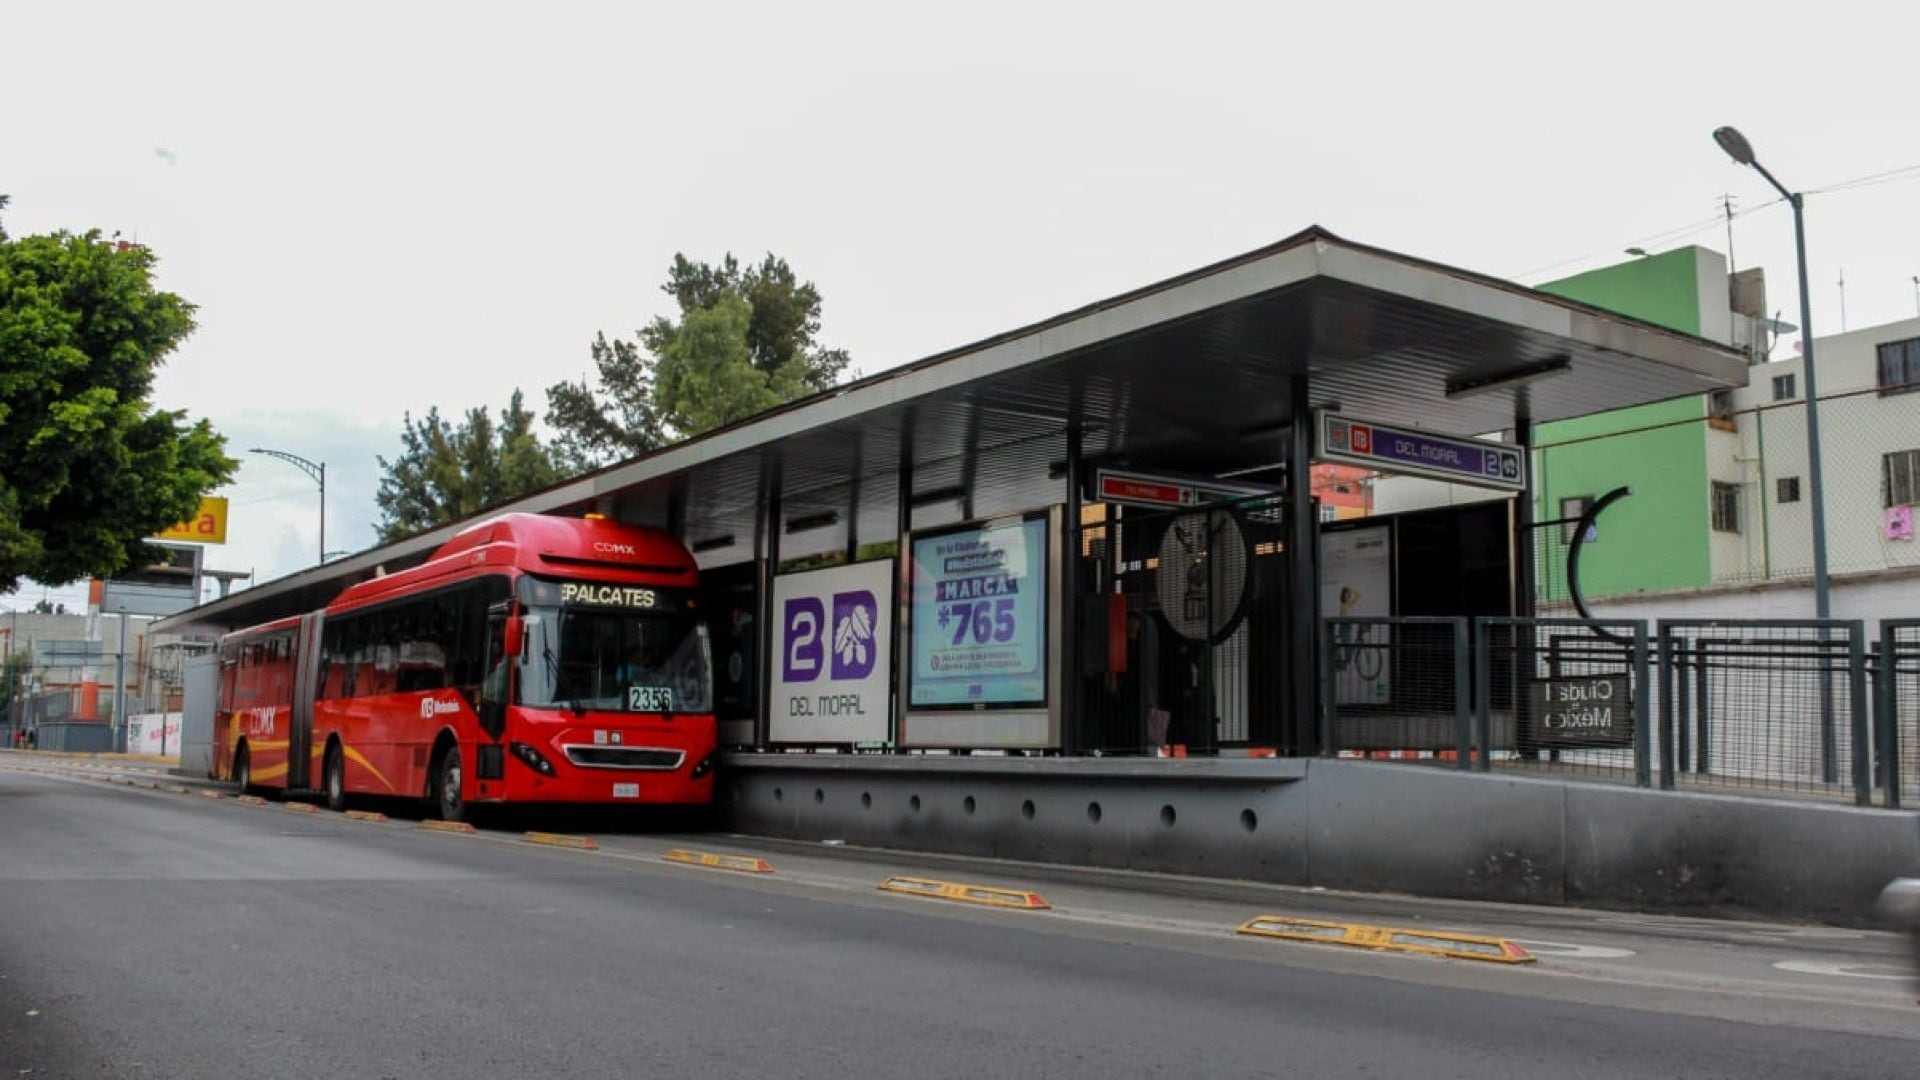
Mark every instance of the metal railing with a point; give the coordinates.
(1565, 696)
(1896, 671)
(1774, 704)
(1397, 688)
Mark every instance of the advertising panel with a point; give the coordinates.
(1356, 580)
(979, 617)
(153, 733)
(831, 676)
(208, 525)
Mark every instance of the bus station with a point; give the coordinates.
(1068, 593)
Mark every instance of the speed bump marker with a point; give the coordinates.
(211, 794)
(746, 864)
(250, 800)
(580, 843)
(966, 894)
(1494, 950)
(178, 790)
(448, 826)
(366, 815)
(301, 807)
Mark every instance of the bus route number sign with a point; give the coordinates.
(649, 699)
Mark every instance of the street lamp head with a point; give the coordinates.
(1735, 144)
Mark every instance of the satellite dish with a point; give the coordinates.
(1202, 578)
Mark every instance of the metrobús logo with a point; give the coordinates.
(432, 707)
(605, 548)
(608, 595)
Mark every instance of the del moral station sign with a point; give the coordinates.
(1460, 459)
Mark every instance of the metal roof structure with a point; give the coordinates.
(1190, 374)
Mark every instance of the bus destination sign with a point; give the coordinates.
(1457, 458)
(627, 596)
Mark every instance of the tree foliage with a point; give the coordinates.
(446, 472)
(88, 467)
(745, 342)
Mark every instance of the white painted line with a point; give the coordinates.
(1568, 951)
(1842, 971)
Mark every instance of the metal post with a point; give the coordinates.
(1642, 709)
(1857, 704)
(1829, 724)
(1683, 701)
(768, 528)
(903, 571)
(853, 504)
(323, 511)
(1303, 573)
(1483, 693)
(1702, 713)
(120, 688)
(1071, 680)
(1816, 491)
(1889, 701)
(1462, 698)
(1330, 699)
(1667, 689)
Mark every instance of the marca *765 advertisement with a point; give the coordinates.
(979, 617)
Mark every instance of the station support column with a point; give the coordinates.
(767, 547)
(1525, 585)
(1303, 576)
(1072, 734)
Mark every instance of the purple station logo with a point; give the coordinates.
(843, 647)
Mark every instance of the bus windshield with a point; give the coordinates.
(617, 660)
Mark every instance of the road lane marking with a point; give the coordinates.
(1388, 938)
(1568, 951)
(1843, 971)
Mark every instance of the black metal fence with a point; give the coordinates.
(1565, 696)
(1396, 688)
(1793, 707)
(1897, 710)
(1774, 704)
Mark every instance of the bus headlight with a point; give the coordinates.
(532, 758)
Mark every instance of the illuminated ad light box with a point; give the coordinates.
(832, 676)
(982, 655)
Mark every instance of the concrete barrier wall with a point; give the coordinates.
(1349, 825)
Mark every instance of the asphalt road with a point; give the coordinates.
(156, 934)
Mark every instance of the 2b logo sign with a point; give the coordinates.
(843, 647)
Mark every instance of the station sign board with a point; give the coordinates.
(208, 525)
(1167, 491)
(1574, 711)
(1456, 458)
(832, 680)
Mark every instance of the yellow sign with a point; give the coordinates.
(208, 525)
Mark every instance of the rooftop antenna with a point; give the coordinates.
(1843, 299)
(1726, 207)
(1916, 293)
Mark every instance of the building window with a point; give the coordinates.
(1900, 477)
(1786, 489)
(1720, 410)
(1783, 388)
(1726, 507)
(1329, 512)
(1900, 366)
(1570, 511)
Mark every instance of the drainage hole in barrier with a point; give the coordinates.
(866, 800)
(914, 804)
(778, 794)
(969, 804)
(1249, 820)
(1026, 809)
(819, 796)
(1093, 812)
(1166, 816)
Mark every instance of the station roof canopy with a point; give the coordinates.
(1190, 374)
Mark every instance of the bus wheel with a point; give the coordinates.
(446, 787)
(242, 769)
(333, 779)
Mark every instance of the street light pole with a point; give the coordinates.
(1741, 151)
(316, 471)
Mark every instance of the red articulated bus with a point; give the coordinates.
(532, 659)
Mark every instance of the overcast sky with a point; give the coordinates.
(385, 207)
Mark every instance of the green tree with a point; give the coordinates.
(745, 341)
(446, 472)
(88, 467)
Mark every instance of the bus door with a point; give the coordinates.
(306, 670)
